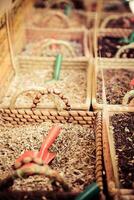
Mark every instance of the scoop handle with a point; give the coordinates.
(49, 140)
(57, 68)
(90, 192)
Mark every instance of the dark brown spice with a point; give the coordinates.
(123, 129)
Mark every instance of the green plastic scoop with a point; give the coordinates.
(57, 68)
(90, 192)
(68, 9)
(128, 40)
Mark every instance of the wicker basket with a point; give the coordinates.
(116, 60)
(111, 163)
(56, 19)
(35, 35)
(39, 64)
(32, 115)
(106, 18)
(27, 81)
(101, 69)
(28, 64)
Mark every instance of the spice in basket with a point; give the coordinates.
(122, 126)
(117, 84)
(40, 79)
(75, 148)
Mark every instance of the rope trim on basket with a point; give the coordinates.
(21, 116)
(26, 116)
(99, 166)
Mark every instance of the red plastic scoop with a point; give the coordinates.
(43, 153)
(132, 82)
(54, 46)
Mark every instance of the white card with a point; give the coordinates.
(131, 5)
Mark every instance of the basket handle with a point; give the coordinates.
(38, 96)
(61, 16)
(50, 92)
(59, 42)
(123, 48)
(128, 98)
(33, 166)
(107, 19)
